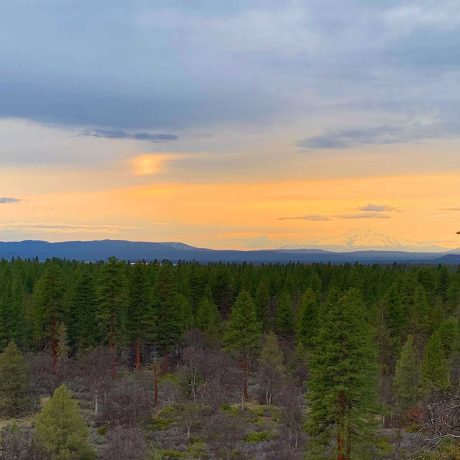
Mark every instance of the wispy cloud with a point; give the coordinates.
(372, 207)
(9, 200)
(363, 215)
(60, 227)
(412, 131)
(450, 209)
(311, 217)
(137, 136)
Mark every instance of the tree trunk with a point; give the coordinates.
(245, 368)
(54, 346)
(138, 353)
(155, 384)
(340, 454)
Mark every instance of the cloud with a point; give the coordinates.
(161, 65)
(364, 215)
(450, 209)
(378, 135)
(138, 136)
(371, 207)
(9, 200)
(310, 217)
(64, 228)
(367, 213)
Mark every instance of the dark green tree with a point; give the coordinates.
(306, 319)
(169, 310)
(112, 301)
(83, 325)
(342, 382)
(407, 377)
(141, 318)
(284, 320)
(207, 316)
(243, 334)
(50, 311)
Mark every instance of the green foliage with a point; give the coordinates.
(342, 383)
(243, 332)
(82, 324)
(271, 366)
(435, 369)
(306, 319)
(169, 308)
(61, 430)
(49, 303)
(284, 320)
(15, 393)
(207, 316)
(257, 436)
(407, 376)
(112, 302)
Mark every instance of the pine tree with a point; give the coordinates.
(168, 310)
(49, 301)
(407, 377)
(112, 302)
(207, 316)
(61, 429)
(271, 366)
(15, 394)
(284, 320)
(83, 325)
(262, 301)
(141, 319)
(243, 334)
(435, 369)
(306, 319)
(342, 380)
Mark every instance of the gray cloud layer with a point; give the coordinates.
(120, 67)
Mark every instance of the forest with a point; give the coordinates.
(154, 360)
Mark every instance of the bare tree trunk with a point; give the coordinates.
(54, 346)
(96, 403)
(138, 353)
(155, 384)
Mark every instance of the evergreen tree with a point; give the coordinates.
(243, 334)
(271, 366)
(284, 321)
(306, 319)
(141, 319)
(207, 316)
(112, 302)
(342, 380)
(83, 325)
(407, 377)
(435, 369)
(61, 429)
(168, 308)
(15, 392)
(49, 300)
(262, 301)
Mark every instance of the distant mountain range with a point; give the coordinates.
(91, 251)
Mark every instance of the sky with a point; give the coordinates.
(245, 124)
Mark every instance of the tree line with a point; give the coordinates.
(371, 347)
